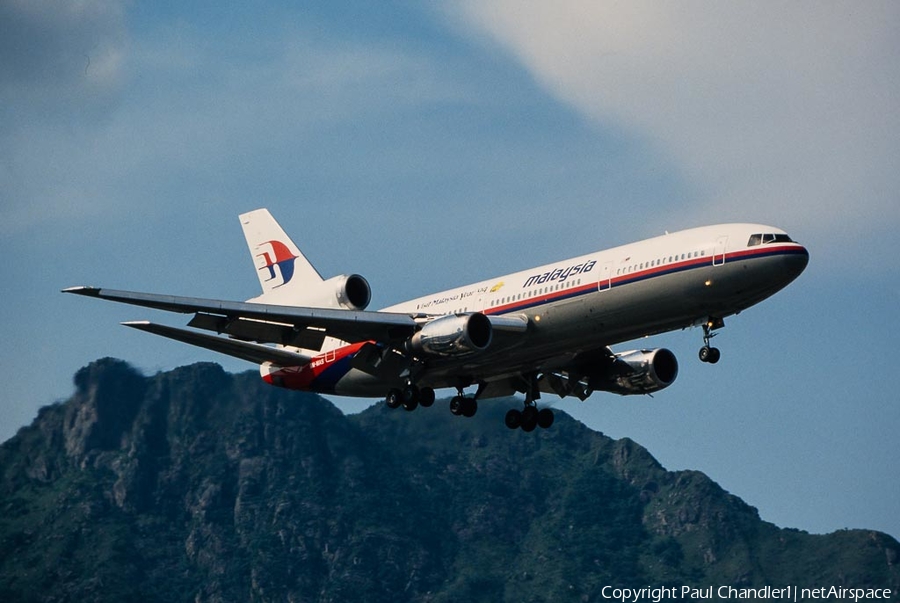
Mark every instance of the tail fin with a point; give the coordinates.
(281, 267)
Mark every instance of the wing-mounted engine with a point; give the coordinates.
(452, 335)
(636, 372)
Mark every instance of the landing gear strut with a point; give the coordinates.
(707, 353)
(530, 418)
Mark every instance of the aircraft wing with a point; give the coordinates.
(262, 323)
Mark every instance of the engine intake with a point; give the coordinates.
(453, 335)
(353, 291)
(638, 372)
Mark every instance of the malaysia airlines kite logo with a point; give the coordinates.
(280, 256)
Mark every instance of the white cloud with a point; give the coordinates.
(782, 111)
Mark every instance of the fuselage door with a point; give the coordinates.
(719, 253)
(605, 277)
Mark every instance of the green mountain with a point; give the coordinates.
(198, 485)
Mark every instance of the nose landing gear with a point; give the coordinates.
(709, 354)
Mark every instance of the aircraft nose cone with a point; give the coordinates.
(796, 262)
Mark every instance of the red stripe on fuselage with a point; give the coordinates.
(641, 275)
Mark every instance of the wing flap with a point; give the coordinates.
(253, 352)
(250, 329)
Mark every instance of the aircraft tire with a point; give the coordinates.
(710, 355)
(513, 418)
(426, 397)
(469, 407)
(410, 393)
(394, 399)
(529, 419)
(456, 404)
(545, 418)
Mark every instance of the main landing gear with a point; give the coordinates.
(463, 406)
(410, 397)
(707, 353)
(530, 418)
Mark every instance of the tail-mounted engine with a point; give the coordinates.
(344, 292)
(348, 292)
(352, 292)
(637, 372)
(452, 335)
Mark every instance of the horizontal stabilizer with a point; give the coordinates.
(244, 350)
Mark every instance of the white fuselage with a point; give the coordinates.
(586, 303)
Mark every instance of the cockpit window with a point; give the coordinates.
(768, 238)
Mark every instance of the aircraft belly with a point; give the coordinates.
(360, 384)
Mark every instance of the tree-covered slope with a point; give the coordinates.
(199, 485)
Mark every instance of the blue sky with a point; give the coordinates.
(427, 146)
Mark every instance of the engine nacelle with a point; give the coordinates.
(351, 291)
(453, 335)
(638, 372)
(344, 292)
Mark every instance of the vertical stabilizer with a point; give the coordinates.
(281, 267)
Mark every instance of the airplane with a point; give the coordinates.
(543, 330)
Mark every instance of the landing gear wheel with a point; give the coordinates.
(545, 418)
(426, 397)
(394, 399)
(529, 418)
(710, 355)
(469, 407)
(513, 418)
(456, 405)
(410, 397)
(410, 393)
